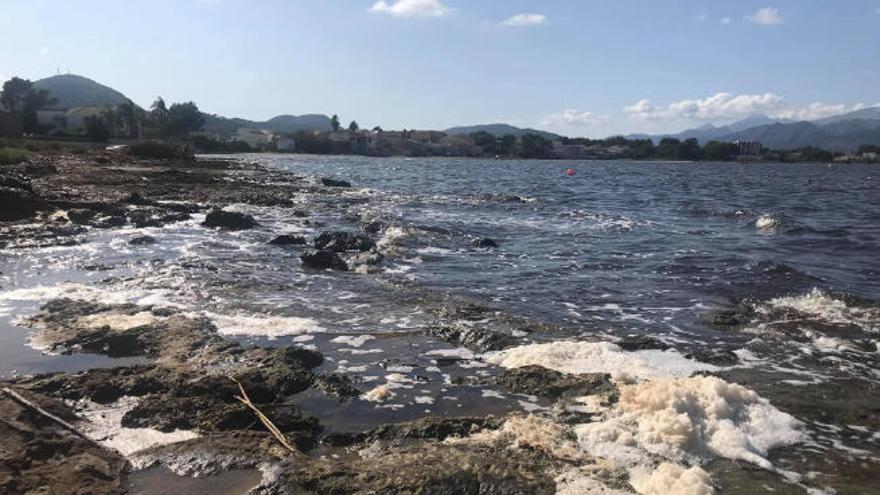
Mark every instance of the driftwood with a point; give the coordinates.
(39, 410)
(244, 399)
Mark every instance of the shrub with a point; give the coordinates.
(9, 156)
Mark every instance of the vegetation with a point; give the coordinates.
(205, 144)
(23, 100)
(9, 156)
(158, 150)
(353, 127)
(334, 123)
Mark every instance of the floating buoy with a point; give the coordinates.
(569, 172)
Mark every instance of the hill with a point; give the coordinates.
(843, 135)
(499, 130)
(76, 91)
(281, 124)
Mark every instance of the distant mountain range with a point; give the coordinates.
(844, 132)
(499, 130)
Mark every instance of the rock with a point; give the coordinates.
(323, 260)
(718, 357)
(474, 338)
(641, 343)
(142, 240)
(109, 222)
(81, 216)
(288, 240)
(229, 220)
(338, 385)
(135, 198)
(485, 243)
(19, 204)
(343, 241)
(334, 183)
(434, 428)
(371, 258)
(550, 384)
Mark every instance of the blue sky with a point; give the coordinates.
(580, 67)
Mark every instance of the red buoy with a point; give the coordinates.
(569, 172)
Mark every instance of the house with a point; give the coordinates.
(71, 120)
(748, 148)
(255, 138)
(286, 144)
(363, 144)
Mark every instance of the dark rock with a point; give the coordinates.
(288, 240)
(135, 198)
(343, 241)
(81, 216)
(550, 384)
(300, 213)
(718, 357)
(40, 169)
(371, 258)
(434, 428)
(485, 243)
(109, 222)
(474, 338)
(372, 227)
(142, 240)
(337, 385)
(641, 343)
(334, 183)
(19, 204)
(323, 260)
(15, 181)
(229, 220)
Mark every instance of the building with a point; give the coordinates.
(286, 144)
(748, 148)
(363, 144)
(255, 138)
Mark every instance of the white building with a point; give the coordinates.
(286, 144)
(256, 138)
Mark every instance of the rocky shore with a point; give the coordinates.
(595, 417)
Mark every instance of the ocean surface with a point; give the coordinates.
(617, 249)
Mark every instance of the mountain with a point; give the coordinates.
(872, 113)
(499, 130)
(76, 91)
(842, 135)
(709, 132)
(280, 124)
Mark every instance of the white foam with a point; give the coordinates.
(262, 326)
(104, 425)
(691, 420)
(599, 357)
(352, 340)
(671, 478)
(766, 222)
(117, 321)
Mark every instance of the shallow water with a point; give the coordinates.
(618, 248)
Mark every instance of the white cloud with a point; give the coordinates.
(570, 118)
(525, 20)
(412, 8)
(725, 20)
(768, 16)
(723, 107)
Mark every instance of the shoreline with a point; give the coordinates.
(179, 398)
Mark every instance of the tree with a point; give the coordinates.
(182, 119)
(689, 149)
(508, 144)
(668, 148)
(353, 127)
(23, 100)
(158, 111)
(377, 129)
(535, 146)
(96, 129)
(487, 141)
(717, 151)
(334, 122)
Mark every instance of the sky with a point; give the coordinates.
(578, 67)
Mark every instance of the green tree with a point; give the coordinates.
(353, 127)
(22, 99)
(717, 151)
(96, 129)
(487, 141)
(183, 118)
(689, 149)
(535, 146)
(334, 122)
(508, 144)
(667, 149)
(158, 111)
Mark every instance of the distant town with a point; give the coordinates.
(71, 109)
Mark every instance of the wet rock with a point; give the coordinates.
(81, 216)
(336, 385)
(373, 227)
(485, 243)
(553, 385)
(343, 241)
(323, 260)
(718, 357)
(229, 220)
(288, 240)
(142, 240)
(370, 258)
(19, 204)
(474, 338)
(135, 198)
(109, 221)
(334, 183)
(434, 428)
(641, 343)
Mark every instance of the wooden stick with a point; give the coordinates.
(30, 405)
(244, 399)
